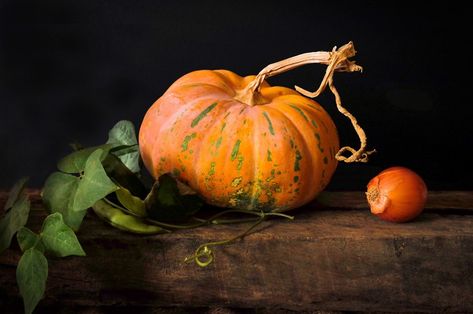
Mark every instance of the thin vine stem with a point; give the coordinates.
(203, 251)
(203, 222)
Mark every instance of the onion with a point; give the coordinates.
(397, 194)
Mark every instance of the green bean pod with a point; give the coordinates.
(123, 221)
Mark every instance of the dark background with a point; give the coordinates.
(70, 69)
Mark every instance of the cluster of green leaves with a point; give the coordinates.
(105, 178)
(55, 238)
(111, 172)
(82, 178)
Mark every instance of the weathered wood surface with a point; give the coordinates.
(334, 256)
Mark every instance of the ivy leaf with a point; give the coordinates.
(15, 192)
(58, 196)
(123, 133)
(13, 221)
(28, 239)
(165, 203)
(31, 275)
(72, 196)
(94, 184)
(134, 204)
(75, 162)
(58, 238)
(124, 176)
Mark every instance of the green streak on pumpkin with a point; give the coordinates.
(297, 162)
(270, 124)
(317, 135)
(235, 150)
(212, 168)
(223, 127)
(314, 123)
(301, 112)
(269, 156)
(241, 199)
(203, 114)
(272, 175)
(292, 143)
(218, 143)
(236, 182)
(296, 179)
(240, 162)
(186, 141)
(314, 107)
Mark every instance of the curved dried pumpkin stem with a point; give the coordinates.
(336, 60)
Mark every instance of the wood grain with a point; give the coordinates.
(334, 256)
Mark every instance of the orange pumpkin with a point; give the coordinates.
(260, 148)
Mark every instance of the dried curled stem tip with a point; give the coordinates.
(204, 252)
(336, 60)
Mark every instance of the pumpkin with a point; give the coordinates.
(241, 143)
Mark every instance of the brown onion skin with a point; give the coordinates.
(397, 194)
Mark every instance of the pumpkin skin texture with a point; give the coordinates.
(274, 156)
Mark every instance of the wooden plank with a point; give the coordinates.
(436, 200)
(326, 259)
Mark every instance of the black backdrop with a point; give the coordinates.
(70, 69)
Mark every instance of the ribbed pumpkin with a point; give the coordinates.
(268, 149)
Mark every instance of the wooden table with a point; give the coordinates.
(335, 256)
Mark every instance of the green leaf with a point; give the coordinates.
(123, 133)
(28, 239)
(72, 196)
(58, 238)
(94, 184)
(58, 195)
(15, 192)
(134, 204)
(31, 275)
(165, 203)
(123, 176)
(13, 221)
(75, 162)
